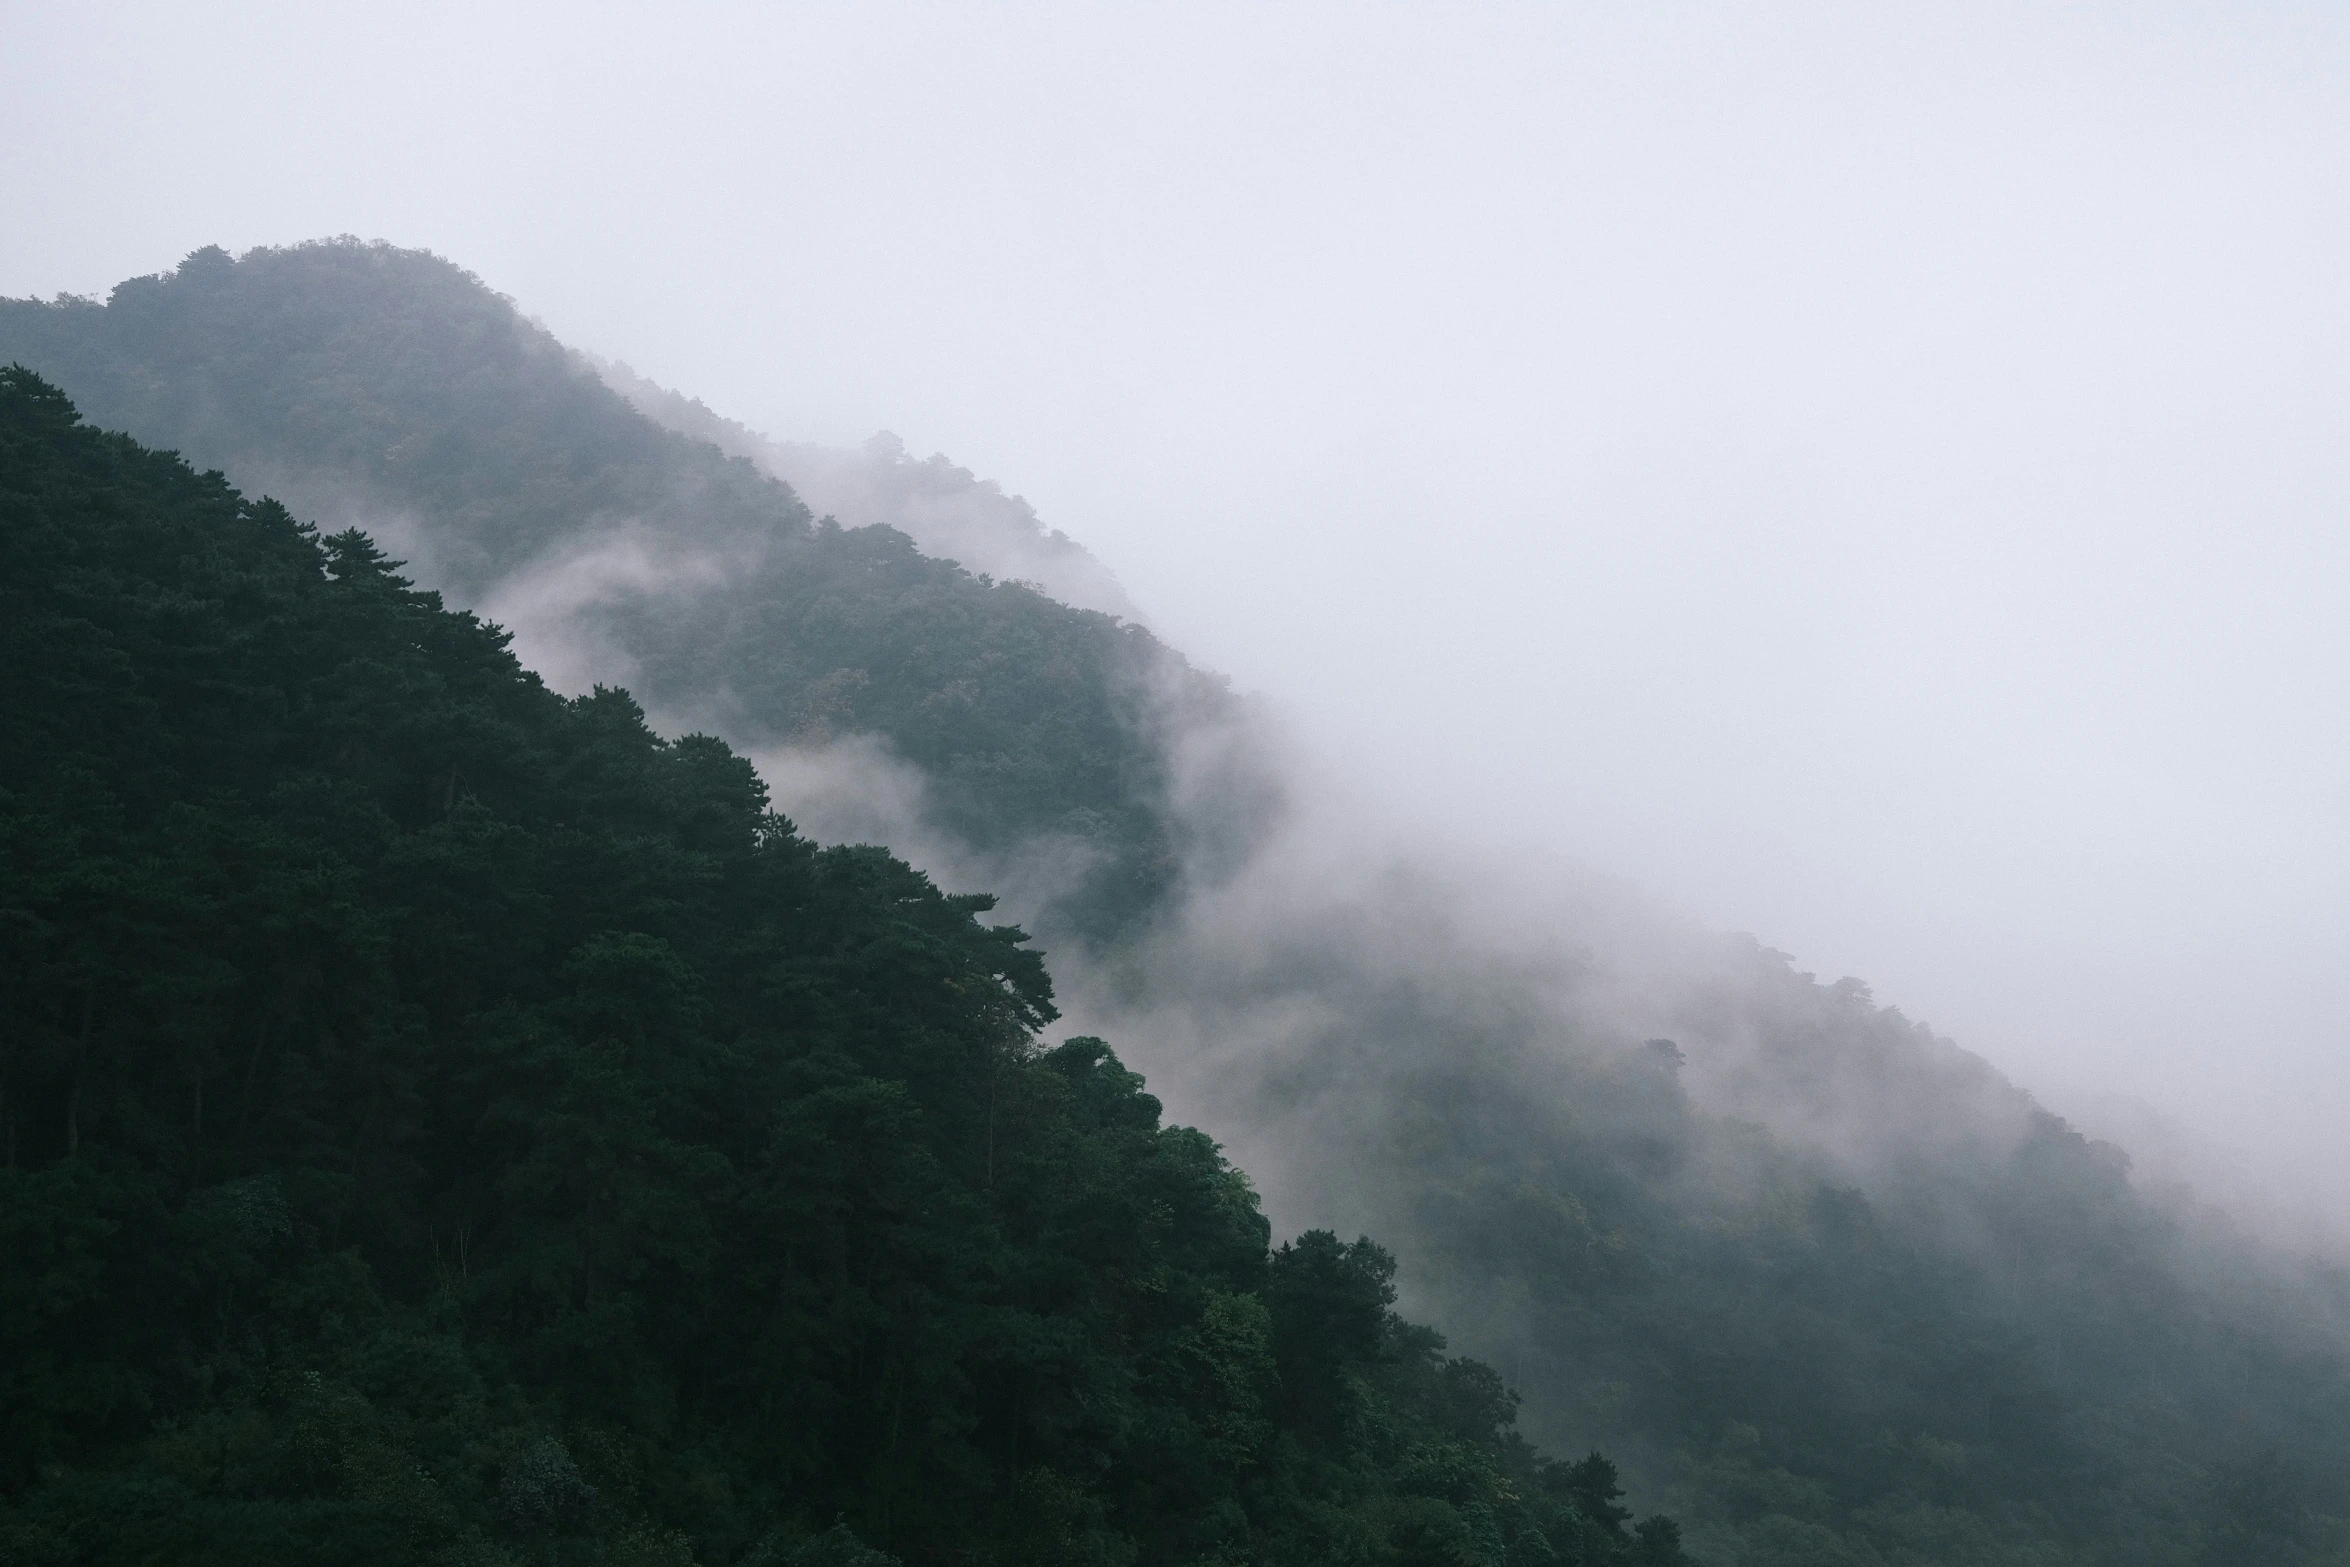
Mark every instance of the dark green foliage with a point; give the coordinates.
(445, 1122)
(364, 383)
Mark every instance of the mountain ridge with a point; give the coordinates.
(1828, 1286)
(946, 510)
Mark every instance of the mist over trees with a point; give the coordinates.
(446, 1122)
(1827, 1287)
(947, 511)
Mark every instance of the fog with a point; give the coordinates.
(1325, 960)
(1872, 479)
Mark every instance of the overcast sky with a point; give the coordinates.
(1879, 478)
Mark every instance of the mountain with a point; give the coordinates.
(1830, 1288)
(446, 1122)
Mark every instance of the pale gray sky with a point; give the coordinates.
(1876, 476)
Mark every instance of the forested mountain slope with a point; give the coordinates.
(1832, 1289)
(366, 386)
(445, 1122)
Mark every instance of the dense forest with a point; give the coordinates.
(446, 1122)
(1829, 1289)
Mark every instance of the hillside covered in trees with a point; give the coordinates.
(445, 1122)
(1830, 1289)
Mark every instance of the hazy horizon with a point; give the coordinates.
(1871, 481)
